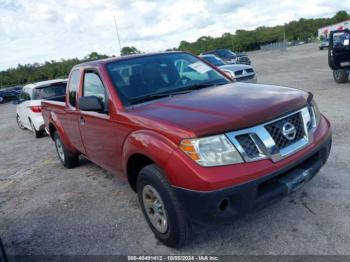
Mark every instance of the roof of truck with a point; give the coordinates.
(120, 58)
(44, 83)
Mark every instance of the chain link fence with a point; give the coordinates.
(278, 46)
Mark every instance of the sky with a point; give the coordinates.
(43, 30)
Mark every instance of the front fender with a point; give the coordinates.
(151, 144)
(54, 120)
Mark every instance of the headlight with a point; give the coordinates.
(211, 151)
(314, 113)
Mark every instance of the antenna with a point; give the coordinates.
(116, 29)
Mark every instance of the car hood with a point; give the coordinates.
(223, 108)
(235, 67)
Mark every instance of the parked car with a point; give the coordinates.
(339, 55)
(229, 57)
(9, 94)
(195, 146)
(324, 44)
(28, 112)
(240, 72)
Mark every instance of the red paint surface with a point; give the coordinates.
(155, 129)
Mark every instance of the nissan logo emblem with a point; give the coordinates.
(289, 131)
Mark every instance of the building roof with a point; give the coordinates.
(334, 24)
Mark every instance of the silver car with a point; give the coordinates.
(240, 72)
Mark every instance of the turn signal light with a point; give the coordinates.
(187, 147)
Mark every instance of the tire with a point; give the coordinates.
(340, 76)
(37, 134)
(68, 159)
(19, 123)
(178, 230)
(321, 48)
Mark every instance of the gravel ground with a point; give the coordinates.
(47, 209)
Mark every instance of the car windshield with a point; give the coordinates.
(341, 39)
(150, 77)
(49, 92)
(226, 52)
(213, 60)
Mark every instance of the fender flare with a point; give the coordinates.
(151, 144)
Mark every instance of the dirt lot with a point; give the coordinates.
(47, 209)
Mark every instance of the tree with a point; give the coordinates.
(129, 50)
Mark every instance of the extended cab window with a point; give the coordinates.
(93, 86)
(73, 87)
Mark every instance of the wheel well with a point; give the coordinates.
(135, 163)
(52, 130)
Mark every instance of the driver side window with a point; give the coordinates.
(93, 86)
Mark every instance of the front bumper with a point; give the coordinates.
(222, 206)
(247, 79)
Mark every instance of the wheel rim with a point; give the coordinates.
(60, 151)
(336, 73)
(154, 208)
(19, 122)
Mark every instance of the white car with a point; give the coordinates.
(240, 72)
(29, 105)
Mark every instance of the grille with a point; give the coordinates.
(249, 70)
(248, 145)
(244, 78)
(238, 72)
(275, 130)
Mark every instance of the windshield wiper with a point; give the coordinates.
(202, 85)
(154, 96)
(183, 90)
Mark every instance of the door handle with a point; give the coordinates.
(82, 121)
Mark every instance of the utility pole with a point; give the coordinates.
(116, 29)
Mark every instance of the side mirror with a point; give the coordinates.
(91, 103)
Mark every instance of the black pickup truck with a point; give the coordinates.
(339, 55)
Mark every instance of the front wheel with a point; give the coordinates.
(68, 159)
(161, 208)
(340, 76)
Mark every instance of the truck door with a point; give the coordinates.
(71, 119)
(100, 134)
(339, 49)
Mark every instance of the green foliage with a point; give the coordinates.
(242, 40)
(245, 40)
(30, 73)
(129, 50)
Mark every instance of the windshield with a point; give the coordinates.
(226, 52)
(213, 60)
(341, 39)
(168, 73)
(49, 92)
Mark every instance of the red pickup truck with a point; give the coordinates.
(195, 145)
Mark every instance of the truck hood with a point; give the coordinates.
(224, 108)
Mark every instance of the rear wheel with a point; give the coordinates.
(340, 76)
(19, 123)
(68, 159)
(37, 134)
(161, 208)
